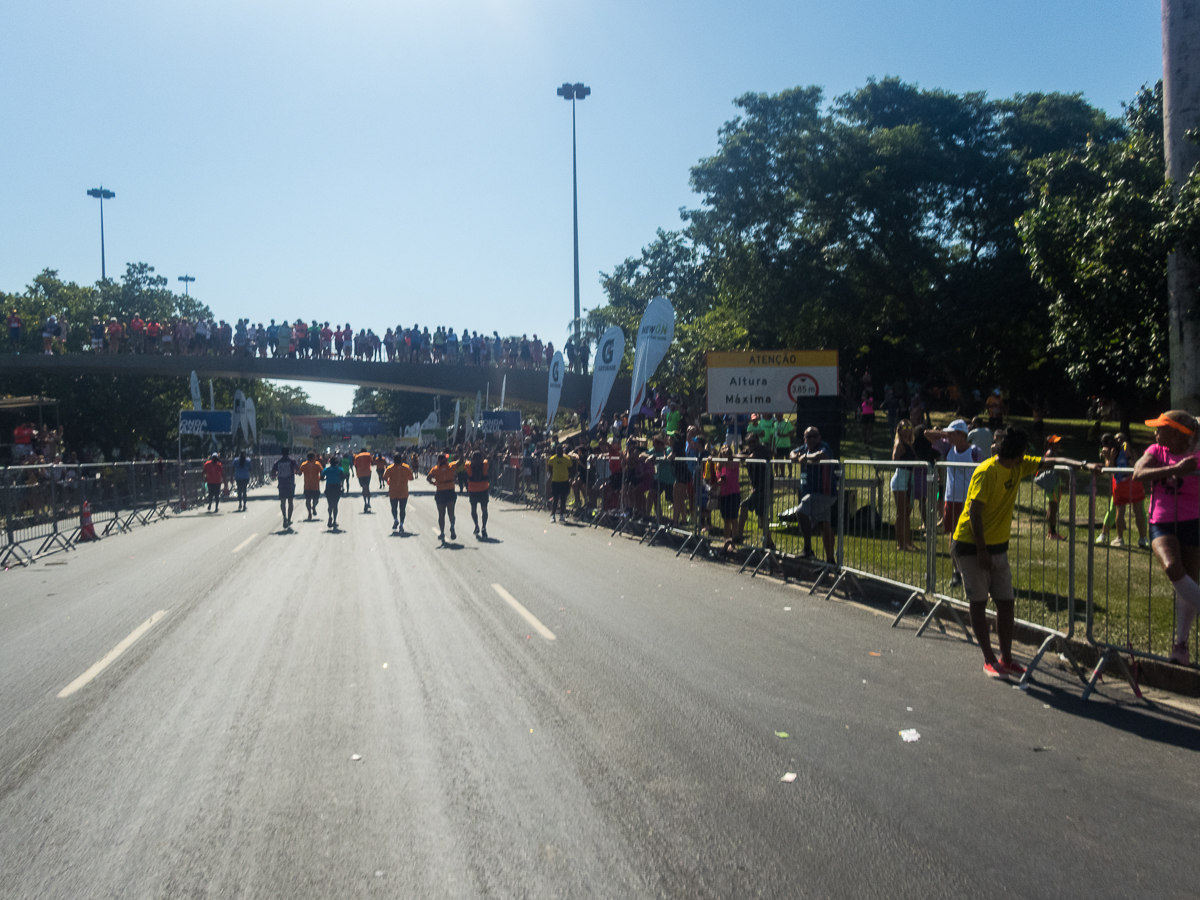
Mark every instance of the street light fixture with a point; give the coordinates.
(101, 194)
(575, 92)
(186, 279)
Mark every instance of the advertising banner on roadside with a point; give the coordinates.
(197, 422)
(655, 334)
(500, 420)
(769, 381)
(609, 353)
(352, 425)
(556, 383)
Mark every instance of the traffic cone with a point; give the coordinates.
(86, 531)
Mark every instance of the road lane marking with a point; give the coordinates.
(524, 613)
(245, 542)
(111, 656)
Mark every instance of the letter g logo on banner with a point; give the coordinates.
(555, 374)
(607, 353)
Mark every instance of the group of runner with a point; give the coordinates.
(395, 473)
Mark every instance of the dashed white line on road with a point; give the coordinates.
(244, 543)
(111, 656)
(524, 613)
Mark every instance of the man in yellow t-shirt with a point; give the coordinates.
(559, 465)
(311, 470)
(980, 544)
(363, 465)
(397, 476)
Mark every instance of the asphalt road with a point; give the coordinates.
(631, 749)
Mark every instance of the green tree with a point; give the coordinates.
(1097, 238)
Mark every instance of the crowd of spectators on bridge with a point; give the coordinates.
(298, 339)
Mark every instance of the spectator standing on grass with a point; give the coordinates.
(929, 455)
(1053, 486)
(902, 451)
(1169, 467)
(980, 545)
(1126, 491)
(980, 435)
(757, 459)
(866, 412)
(995, 409)
(816, 504)
(957, 448)
(723, 477)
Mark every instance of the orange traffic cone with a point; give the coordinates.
(86, 531)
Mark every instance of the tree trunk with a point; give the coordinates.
(1181, 111)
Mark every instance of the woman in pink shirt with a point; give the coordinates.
(726, 479)
(1169, 467)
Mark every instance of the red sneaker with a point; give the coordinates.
(995, 671)
(1015, 669)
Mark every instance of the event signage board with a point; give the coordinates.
(344, 425)
(197, 422)
(555, 390)
(654, 337)
(769, 381)
(609, 352)
(500, 420)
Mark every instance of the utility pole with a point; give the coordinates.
(101, 194)
(1181, 114)
(575, 92)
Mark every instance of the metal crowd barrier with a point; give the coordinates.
(1123, 596)
(42, 506)
(1131, 602)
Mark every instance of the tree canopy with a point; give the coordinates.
(881, 223)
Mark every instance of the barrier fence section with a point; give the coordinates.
(42, 507)
(889, 522)
(1132, 603)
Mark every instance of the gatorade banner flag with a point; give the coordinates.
(609, 353)
(653, 340)
(556, 382)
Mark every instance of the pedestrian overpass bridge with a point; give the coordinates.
(524, 385)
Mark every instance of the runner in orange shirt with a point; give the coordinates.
(477, 489)
(441, 477)
(363, 462)
(311, 470)
(397, 476)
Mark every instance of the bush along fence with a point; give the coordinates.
(50, 508)
(884, 522)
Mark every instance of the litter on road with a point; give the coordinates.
(354, 757)
(910, 735)
(781, 734)
(789, 777)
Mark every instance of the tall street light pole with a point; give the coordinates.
(186, 279)
(101, 194)
(575, 92)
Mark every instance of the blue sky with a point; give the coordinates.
(385, 162)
